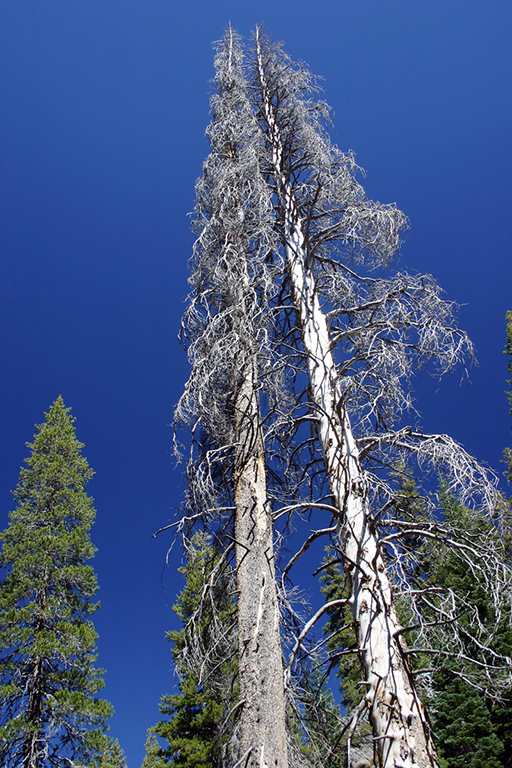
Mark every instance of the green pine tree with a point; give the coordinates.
(204, 652)
(49, 712)
(507, 453)
(471, 730)
(111, 755)
(502, 712)
(154, 753)
(342, 638)
(465, 734)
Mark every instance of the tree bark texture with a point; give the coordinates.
(401, 732)
(396, 713)
(263, 732)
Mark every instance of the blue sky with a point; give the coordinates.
(104, 107)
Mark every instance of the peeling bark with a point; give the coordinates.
(401, 732)
(397, 715)
(227, 325)
(263, 732)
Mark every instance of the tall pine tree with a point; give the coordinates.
(200, 716)
(49, 712)
(111, 755)
(470, 727)
(153, 756)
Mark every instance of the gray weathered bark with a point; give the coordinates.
(262, 726)
(226, 324)
(381, 329)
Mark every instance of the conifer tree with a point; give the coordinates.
(226, 326)
(112, 756)
(344, 659)
(50, 714)
(508, 351)
(204, 652)
(153, 757)
(501, 712)
(466, 721)
(472, 729)
(302, 360)
(507, 453)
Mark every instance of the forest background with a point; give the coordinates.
(102, 138)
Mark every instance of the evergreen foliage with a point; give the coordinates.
(342, 646)
(471, 729)
(49, 712)
(507, 453)
(204, 652)
(343, 655)
(315, 734)
(463, 725)
(342, 642)
(153, 757)
(112, 756)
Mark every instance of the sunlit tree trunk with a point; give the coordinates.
(226, 324)
(263, 732)
(396, 713)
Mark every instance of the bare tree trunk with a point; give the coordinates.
(401, 731)
(263, 732)
(396, 713)
(227, 324)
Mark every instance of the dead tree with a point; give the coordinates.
(225, 326)
(358, 339)
(302, 360)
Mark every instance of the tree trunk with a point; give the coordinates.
(396, 713)
(401, 732)
(263, 732)
(33, 715)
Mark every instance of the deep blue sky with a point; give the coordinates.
(104, 107)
